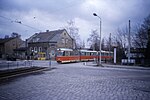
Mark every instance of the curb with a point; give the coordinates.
(122, 67)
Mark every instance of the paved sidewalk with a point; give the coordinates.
(117, 66)
(126, 66)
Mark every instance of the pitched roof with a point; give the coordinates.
(48, 36)
(2, 41)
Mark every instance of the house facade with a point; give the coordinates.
(43, 45)
(7, 46)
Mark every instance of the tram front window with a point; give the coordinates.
(60, 53)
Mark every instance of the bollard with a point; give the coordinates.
(8, 65)
(17, 64)
(25, 63)
(50, 63)
(31, 63)
(84, 63)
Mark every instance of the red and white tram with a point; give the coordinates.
(65, 55)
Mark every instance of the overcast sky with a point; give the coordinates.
(42, 15)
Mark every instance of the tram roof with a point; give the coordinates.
(87, 51)
(64, 49)
(106, 51)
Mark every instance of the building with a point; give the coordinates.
(21, 52)
(43, 45)
(7, 46)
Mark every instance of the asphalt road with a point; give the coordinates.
(76, 81)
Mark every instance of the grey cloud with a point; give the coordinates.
(26, 5)
(113, 13)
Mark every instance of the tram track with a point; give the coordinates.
(20, 71)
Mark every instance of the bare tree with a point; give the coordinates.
(108, 43)
(93, 40)
(6, 36)
(103, 46)
(74, 33)
(83, 45)
(15, 35)
(120, 39)
(142, 37)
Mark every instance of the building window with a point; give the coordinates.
(52, 45)
(36, 39)
(1, 49)
(13, 43)
(63, 40)
(40, 49)
(35, 49)
(31, 48)
(66, 40)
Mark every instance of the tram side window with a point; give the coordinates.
(72, 53)
(112, 54)
(103, 54)
(87, 53)
(93, 53)
(67, 53)
(82, 53)
(76, 53)
(106, 54)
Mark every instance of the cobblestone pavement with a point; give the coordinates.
(79, 82)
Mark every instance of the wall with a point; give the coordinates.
(65, 41)
(11, 45)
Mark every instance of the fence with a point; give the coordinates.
(4, 65)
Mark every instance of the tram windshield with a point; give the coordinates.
(60, 53)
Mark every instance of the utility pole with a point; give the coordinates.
(129, 44)
(110, 45)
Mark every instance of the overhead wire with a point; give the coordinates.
(19, 22)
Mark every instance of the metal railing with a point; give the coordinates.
(6, 65)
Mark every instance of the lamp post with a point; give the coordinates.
(99, 62)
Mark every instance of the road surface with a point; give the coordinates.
(76, 81)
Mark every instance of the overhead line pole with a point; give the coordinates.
(129, 43)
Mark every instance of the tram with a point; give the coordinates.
(65, 55)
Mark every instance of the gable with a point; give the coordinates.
(50, 36)
(66, 35)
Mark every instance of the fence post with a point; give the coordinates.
(8, 65)
(17, 64)
(50, 63)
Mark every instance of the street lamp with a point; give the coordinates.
(99, 62)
